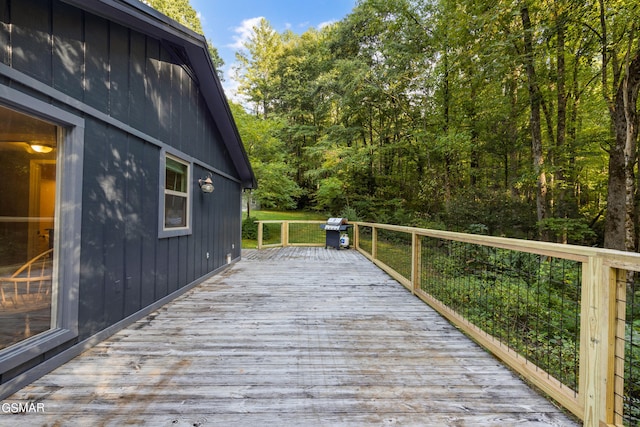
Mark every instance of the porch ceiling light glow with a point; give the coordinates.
(206, 184)
(41, 148)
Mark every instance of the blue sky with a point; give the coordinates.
(227, 23)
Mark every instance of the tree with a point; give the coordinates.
(257, 65)
(459, 112)
(276, 187)
(302, 95)
(384, 80)
(620, 47)
(535, 100)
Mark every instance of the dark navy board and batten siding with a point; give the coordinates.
(137, 80)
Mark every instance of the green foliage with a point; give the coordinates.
(350, 213)
(529, 302)
(498, 213)
(257, 65)
(250, 228)
(411, 119)
(569, 230)
(632, 373)
(478, 229)
(330, 195)
(276, 187)
(179, 10)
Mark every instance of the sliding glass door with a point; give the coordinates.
(28, 183)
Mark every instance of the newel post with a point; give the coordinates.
(596, 341)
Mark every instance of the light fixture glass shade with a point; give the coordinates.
(41, 148)
(206, 185)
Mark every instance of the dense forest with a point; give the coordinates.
(515, 118)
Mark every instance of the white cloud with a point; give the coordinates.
(326, 24)
(244, 32)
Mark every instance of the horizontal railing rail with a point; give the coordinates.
(567, 318)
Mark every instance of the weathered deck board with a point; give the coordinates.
(288, 337)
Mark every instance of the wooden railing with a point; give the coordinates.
(562, 316)
(289, 233)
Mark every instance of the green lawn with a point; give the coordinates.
(289, 215)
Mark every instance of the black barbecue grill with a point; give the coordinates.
(334, 228)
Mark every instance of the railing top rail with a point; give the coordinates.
(291, 221)
(613, 258)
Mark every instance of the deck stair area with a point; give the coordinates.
(289, 337)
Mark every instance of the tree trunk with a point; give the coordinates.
(614, 229)
(620, 226)
(621, 213)
(474, 164)
(562, 208)
(535, 100)
(445, 128)
(248, 203)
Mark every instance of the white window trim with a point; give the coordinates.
(68, 217)
(165, 232)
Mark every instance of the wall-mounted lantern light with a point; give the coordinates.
(206, 184)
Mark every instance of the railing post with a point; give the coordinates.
(596, 357)
(284, 233)
(416, 251)
(260, 234)
(356, 236)
(374, 242)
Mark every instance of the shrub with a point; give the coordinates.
(250, 228)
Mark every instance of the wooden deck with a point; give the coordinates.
(288, 337)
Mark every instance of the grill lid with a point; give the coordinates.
(336, 221)
(335, 224)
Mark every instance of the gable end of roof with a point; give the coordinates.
(137, 16)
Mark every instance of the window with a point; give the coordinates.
(176, 201)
